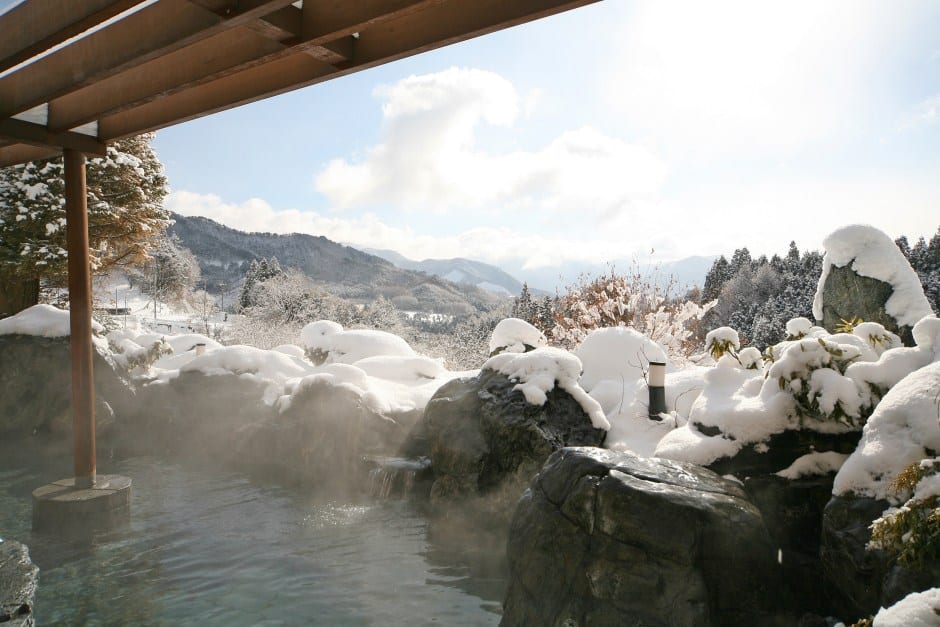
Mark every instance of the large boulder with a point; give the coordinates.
(194, 414)
(36, 386)
(320, 440)
(18, 580)
(846, 294)
(485, 439)
(866, 275)
(605, 538)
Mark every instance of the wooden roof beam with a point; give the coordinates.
(21, 153)
(222, 55)
(410, 32)
(33, 27)
(39, 135)
(153, 31)
(206, 60)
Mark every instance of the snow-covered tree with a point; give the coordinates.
(125, 210)
(172, 272)
(258, 272)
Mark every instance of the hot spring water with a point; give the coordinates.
(211, 547)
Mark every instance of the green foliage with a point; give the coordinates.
(125, 210)
(719, 347)
(847, 326)
(911, 533)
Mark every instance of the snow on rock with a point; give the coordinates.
(740, 404)
(537, 373)
(188, 341)
(811, 464)
(255, 363)
(340, 346)
(290, 349)
(512, 335)
(918, 609)
(874, 254)
(900, 432)
(41, 320)
(627, 409)
(927, 334)
(618, 354)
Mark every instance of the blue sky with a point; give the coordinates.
(606, 132)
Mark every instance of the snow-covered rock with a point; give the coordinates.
(513, 335)
(328, 342)
(918, 609)
(866, 275)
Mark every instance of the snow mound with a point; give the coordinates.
(918, 609)
(874, 254)
(348, 347)
(512, 335)
(289, 349)
(811, 464)
(265, 366)
(618, 354)
(42, 321)
(899, 433)
(927, 334)
(538, 371)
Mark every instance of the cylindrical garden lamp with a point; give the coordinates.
(657, 387)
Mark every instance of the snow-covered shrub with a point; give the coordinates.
(721, 341)
(513, 335)
(614, 300)
(911, 532)
(135, 356)
(826, 383)
(327, 342)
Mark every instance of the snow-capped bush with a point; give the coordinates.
(722, 340)
(918, 609)
(328, 342)
(830, 383)
(513, 335)
(911, 532)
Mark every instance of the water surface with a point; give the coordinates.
(210, 547)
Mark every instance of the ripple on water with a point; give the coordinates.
(212, 548)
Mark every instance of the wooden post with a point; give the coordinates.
(83, 391)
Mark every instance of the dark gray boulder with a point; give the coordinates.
(605, 538)
(485, 440)
(18, 580)
(36, 384)
(792, 509)
(865, 579)
(847, 294)
(193, 414)
(323, 440)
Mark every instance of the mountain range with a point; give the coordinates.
(455, 285)
(224, 255)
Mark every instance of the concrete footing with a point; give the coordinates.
(63, 506)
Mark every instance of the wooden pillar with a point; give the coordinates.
(83, 391)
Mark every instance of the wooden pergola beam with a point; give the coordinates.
(155, 30)
(21, 153)
(224, 54)
(39, 135)
(410, 31)
(33, 27)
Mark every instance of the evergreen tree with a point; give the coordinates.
(125, 209)
(715, 280)
(172, 272)
(259, 271)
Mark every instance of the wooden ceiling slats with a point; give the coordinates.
(176, 60)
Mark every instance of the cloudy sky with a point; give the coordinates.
(606, 132)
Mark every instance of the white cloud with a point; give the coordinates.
(706, 78)
(427, 158)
